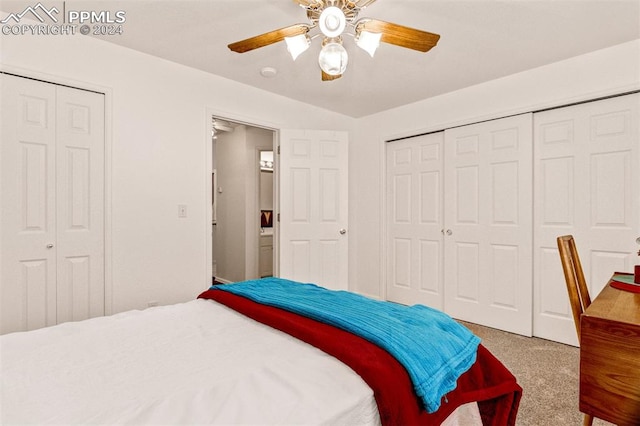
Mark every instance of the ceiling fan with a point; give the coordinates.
(334, 18)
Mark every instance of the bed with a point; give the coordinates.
(230, 358)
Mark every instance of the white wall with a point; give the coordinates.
(229, 241)
(601, 73)
(157, 119)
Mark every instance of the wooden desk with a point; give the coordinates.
(610, 357)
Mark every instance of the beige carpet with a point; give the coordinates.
(547, 372)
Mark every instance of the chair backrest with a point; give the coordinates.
(574, 277)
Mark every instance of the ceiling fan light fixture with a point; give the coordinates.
(297, 44)
(368, 41)
(333, 58)
(332, 21)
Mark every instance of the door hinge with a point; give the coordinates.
(278, 149)
(278, 217)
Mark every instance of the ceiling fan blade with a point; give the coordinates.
(400, 35)
(329, 77)
(268, 38)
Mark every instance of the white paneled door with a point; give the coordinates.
(414, 220)
(52, 204)
(313, 207)
(488, 223)
(587, 184)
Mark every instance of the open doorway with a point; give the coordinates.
(243, 200)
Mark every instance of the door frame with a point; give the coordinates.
(209, 113)
(108, 138)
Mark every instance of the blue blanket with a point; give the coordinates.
(434, 349)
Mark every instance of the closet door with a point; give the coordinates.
(28, 228)
(52, 200)
(488, 221)
(587, 184)
(79, 204)
(414, 220)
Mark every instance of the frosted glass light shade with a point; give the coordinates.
(297, 44)
(368, 41)
(333, 59)
(332, 21)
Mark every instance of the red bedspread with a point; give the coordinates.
(488, 382)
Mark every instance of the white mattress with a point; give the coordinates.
(192, 363)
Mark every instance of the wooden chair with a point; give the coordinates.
(576, 286)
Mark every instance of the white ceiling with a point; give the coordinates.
(480, 40)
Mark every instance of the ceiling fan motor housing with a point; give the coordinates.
(332, 21)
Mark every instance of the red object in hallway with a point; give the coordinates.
(636, 270)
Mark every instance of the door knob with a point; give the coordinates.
(449, 232)
(343, 231)
(49, 246)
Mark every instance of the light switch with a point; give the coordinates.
(182, 210)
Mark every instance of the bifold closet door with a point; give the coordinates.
(79, 204)
(52, 204)
(587, 184)
(28, 233)
(414, 241)
(488, 222)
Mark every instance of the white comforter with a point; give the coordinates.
(192, 363)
